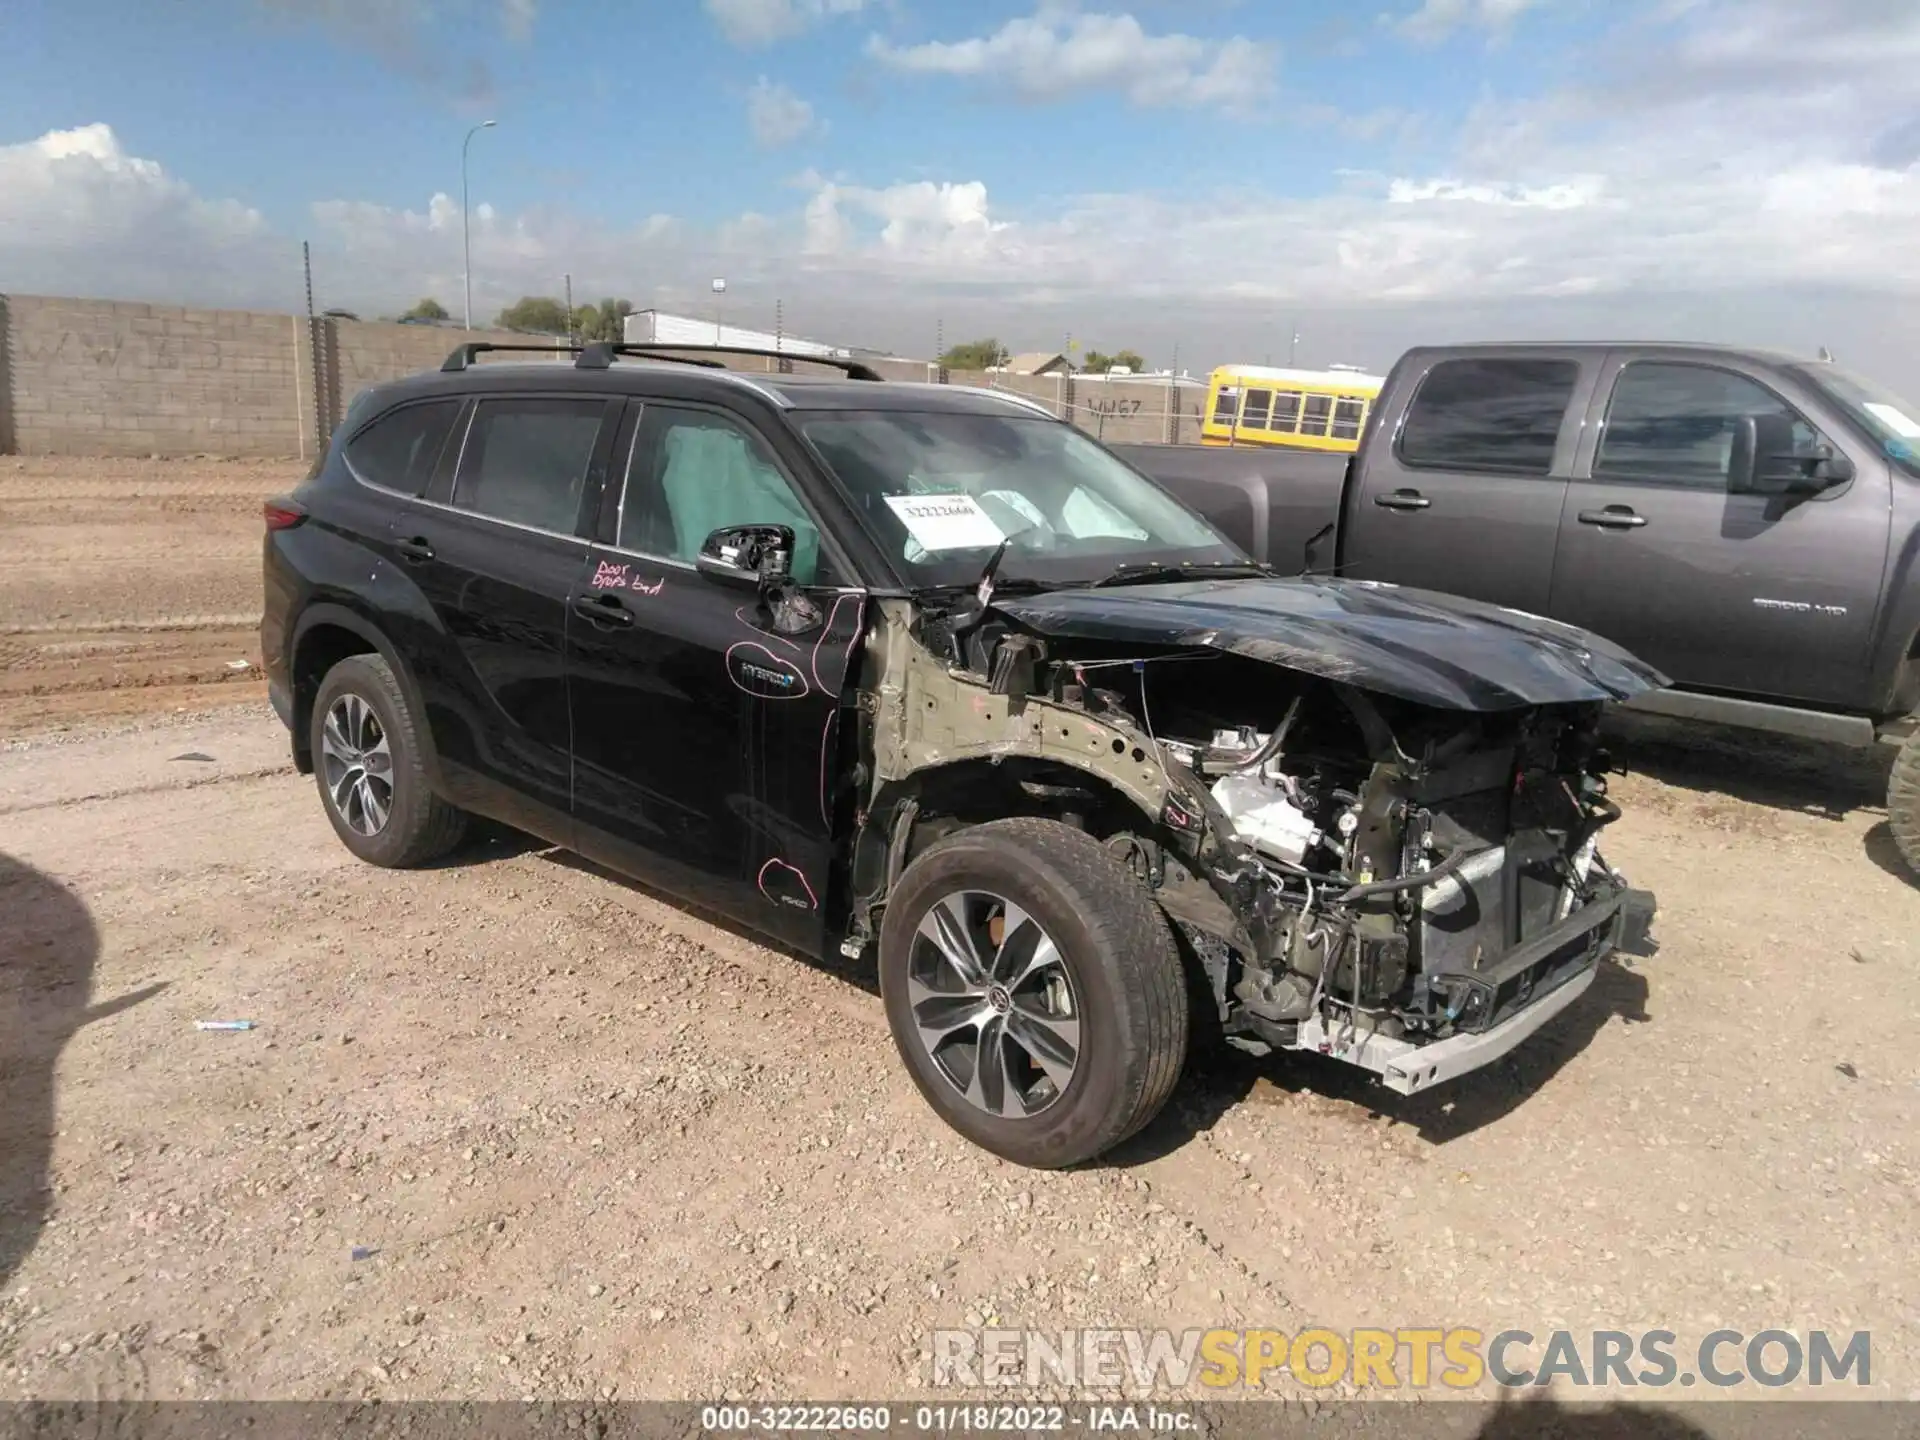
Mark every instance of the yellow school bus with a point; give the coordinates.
(1307, 409)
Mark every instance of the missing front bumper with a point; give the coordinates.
(1559, 966)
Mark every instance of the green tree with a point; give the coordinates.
(534, 314)
(427, 309)
(605, 321)
(1099, 363)
(975, 355)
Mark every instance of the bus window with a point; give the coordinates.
(1286, 410)
(1224, 404)
(1348, 412)
(1253, 415)
(1314, 420)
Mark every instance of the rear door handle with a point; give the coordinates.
(1402, 500)
(417, 548)
(602, 610)
(1614, 517)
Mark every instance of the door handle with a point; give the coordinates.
(416, 549)
(602, 610)
(1402, 500)
(1614, 517)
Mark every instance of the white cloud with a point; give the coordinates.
(764, 22)
(78, 215)
(517, 19)
(1695, 185)
(1435, 20)
(777, 116)
(1056, 52)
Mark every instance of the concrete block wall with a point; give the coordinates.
(93, 377)
(105, 377)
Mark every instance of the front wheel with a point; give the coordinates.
(1903, 802)
(1033, 990)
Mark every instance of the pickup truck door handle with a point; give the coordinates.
(416, 549)
(602, 610)
(1402, 500)
(1614, 517)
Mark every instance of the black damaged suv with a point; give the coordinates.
(921, 672)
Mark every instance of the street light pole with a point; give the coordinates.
(466, 240)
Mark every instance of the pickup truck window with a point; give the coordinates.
(1499, 416)
(1673, 424)
(1070, 509)
(1891, 421)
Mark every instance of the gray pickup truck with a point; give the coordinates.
(1747, 522)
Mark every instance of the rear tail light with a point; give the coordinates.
(283, 514)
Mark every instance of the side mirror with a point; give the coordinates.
(750, 556)
(1765, 461)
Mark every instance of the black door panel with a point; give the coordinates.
(498, 566)
(706, 745)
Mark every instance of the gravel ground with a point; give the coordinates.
(599, 1147)
(594, 1146)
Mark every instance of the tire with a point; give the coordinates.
(1903, 803)
(415, 825)
(1124, 991)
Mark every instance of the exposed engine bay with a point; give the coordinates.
(1407, 886)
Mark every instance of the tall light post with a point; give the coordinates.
(719, 308)
(466, 240)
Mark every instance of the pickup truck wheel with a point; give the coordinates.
(1033, 990)
(1903, 802)
(367, 763)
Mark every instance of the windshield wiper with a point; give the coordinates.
(1149, 572)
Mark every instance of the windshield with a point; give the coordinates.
(941, 490)
(1884, 415)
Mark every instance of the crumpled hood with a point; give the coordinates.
(1429, 648)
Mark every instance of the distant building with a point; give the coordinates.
(657, 327)
(1038, 362)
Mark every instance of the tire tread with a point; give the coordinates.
(1903, 802)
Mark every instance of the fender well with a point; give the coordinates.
(324, 636)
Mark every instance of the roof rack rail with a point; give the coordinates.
(463, 355)
(599, 355)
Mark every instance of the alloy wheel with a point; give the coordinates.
(993, 1004)
(357, 764)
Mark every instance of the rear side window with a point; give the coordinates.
(1254, 415)
(1223, 406)
(526, 461)
(1347, 417)
(399, 450)
(1489, 415)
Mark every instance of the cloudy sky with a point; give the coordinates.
(1203, 174)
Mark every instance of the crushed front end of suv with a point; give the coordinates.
(1076, 775)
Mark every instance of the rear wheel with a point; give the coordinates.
(367, 762)
(1903, 802)
(1034, 991)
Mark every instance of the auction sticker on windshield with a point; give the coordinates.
(1895, 419)
(946, 522)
